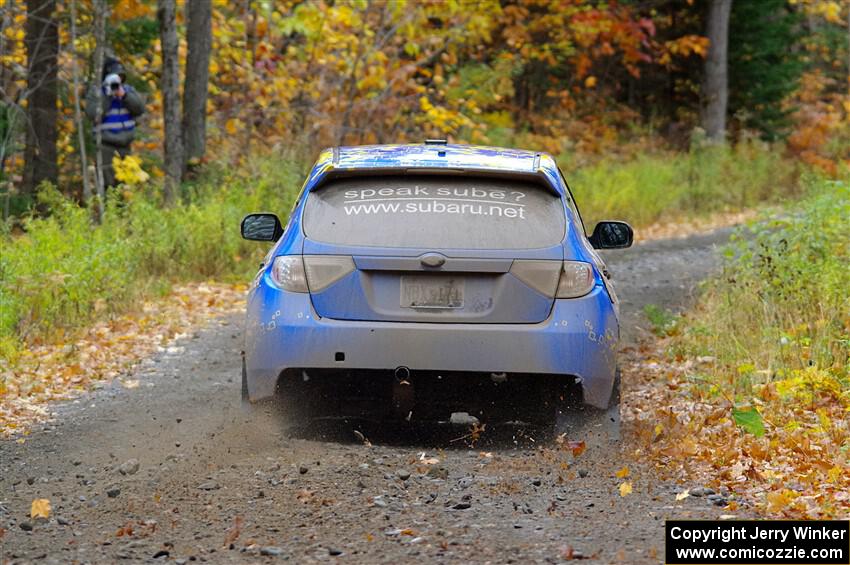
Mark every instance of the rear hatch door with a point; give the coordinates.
(433, 248)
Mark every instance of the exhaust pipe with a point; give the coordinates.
(403, 393)
(402, 374)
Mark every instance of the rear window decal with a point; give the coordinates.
(411, 211)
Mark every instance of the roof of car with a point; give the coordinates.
(433, 155)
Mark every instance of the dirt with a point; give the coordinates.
(217, 484)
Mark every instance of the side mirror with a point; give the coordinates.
(261, 227)
(612, 235)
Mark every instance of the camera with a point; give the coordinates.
(112, 82)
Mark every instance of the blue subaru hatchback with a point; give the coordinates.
(433, 282)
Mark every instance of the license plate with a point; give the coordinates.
(431, 292)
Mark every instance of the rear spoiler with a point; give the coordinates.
(537, 177)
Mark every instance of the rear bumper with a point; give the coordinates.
(578, 339)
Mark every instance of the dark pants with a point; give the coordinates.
(109, 151)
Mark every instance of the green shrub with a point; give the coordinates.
(64, 271)
(781, 306)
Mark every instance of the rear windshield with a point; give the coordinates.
(435, 211)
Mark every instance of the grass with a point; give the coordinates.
(663, 321)
(755, 392)
(780, 312)
(656, 187)
(63, 272)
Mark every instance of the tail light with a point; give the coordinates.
(556, 279)
(576, 280)
(311, 273)
(542, 276)
(324, 270)
(288, 273)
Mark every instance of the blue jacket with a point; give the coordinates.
(118, 121)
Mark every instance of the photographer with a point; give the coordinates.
(121, 106)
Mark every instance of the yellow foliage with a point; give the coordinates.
(129, 170)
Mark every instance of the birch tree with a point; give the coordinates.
(101, 11)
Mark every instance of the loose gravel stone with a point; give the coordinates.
(113, 492)
(403, 474)
(271, 550)
(438, 473)
(129, 467)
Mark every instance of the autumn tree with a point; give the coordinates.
(716, 83)
(199, 41)
(764, 64)
(101, 11)
(42, 44)
(170, 86)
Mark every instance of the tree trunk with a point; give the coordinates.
(42, 43)
(78, 114)
(101, 12)
(715, 85)
(199, 40)
(170, 87)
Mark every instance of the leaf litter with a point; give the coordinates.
(94, 357)
(785, 457)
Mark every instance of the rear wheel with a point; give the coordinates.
(596, 427)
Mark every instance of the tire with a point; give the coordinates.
(596, 427)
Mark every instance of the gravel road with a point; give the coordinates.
(176, 471)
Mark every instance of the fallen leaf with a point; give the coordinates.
(233, 532)
(626, 488)
(683, 495)
(749, 420)
(622, 473)
(40, 508)
(362, 438)
(577, 447)
(778, 500)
